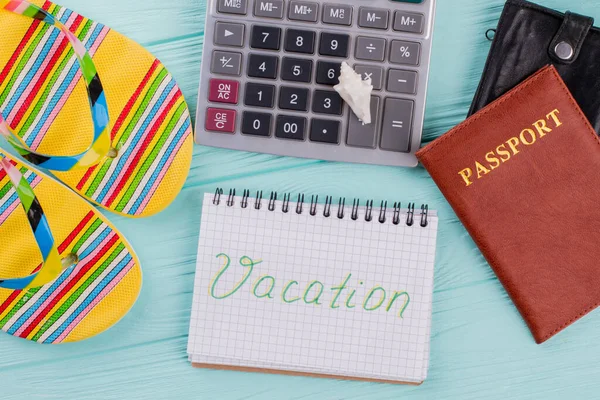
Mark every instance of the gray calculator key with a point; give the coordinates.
(361, 135)
(408, 22)
(229, 34)
(337, 14)
(376, 18)
(396, 129)
(406, 53)
(371, 49)
(232, 6)
(269, 8)
(226, 63)
(369, 71)
(402, 81)
(304, 11)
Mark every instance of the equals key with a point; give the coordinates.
(396, 130)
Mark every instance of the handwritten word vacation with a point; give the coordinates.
(314, 293)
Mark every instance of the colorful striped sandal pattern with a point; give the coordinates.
(133, 151)
(67, 274)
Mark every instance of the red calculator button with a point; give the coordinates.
(219, 120)
(223, 91)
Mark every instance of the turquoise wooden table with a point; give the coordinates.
(481, 348)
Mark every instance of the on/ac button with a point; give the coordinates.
(223, 91)
(408, 22)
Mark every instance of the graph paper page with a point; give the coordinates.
(302, 292)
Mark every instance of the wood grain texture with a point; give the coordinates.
(481, 348)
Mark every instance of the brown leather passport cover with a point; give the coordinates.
(523, 176)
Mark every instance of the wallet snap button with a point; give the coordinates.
(564, 51)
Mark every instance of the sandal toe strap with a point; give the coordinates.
(52, 263)
(101, 142)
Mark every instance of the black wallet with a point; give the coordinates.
(530, 37)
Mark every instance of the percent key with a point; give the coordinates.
(405, 53)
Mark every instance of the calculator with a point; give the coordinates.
(269, 67)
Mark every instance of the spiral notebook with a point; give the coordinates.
(330, 289)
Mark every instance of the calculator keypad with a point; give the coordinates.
(265, 37)
(259, 95)
(334, 44)
(290, 127)
(273, 65)
(300, 41)
(262, 66)
(296, 70)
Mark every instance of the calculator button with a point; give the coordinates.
(334, 44)
(337, 14)
(260, 66)
(269, 9)
(258, 124)
(296, 70)
(259, 95)
(327, 102)
(402, 81)
(371, 49)
(228, 34)
(292, 98)
(369, 71)
(298, 41)
(397, 125)
(289, 127)
(407, 53)
(328, 73)
(303, 11)
(232, 6)
(325, 131)
(226, 63)
(265, 37)
(408, 22)
(222, 91)
(375, 18)
(220, 120)
(362, 135)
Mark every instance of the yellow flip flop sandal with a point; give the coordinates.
(140, 129)
(74, 277)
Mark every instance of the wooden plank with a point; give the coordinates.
(480, 346)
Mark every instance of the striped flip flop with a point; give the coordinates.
(132, 153)
(74, 277)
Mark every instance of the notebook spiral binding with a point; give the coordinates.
(327, 210)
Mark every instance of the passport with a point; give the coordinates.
(523, 177)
